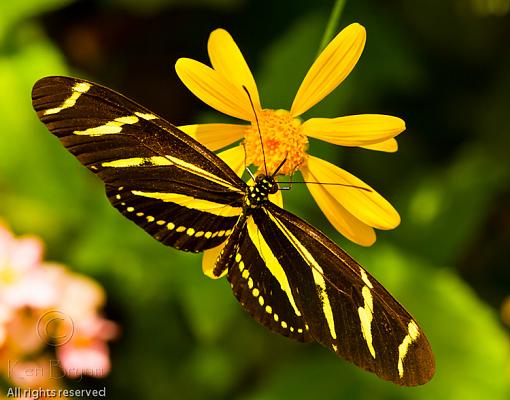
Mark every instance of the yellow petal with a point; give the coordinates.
(343, 221)
(227, 59)
(354, 130)
(235, 159)
(214, 136)
(389, 146)
(331, 67)
(209, 261)
(368, 206)
(214, 89)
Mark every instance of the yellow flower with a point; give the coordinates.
(353, 212)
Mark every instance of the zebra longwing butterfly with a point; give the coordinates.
(288, 275)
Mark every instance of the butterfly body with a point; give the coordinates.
(258, 194)
(285, 273)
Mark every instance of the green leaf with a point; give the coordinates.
(448, 206)
(15, 11)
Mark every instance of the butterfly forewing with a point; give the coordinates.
(156, 175)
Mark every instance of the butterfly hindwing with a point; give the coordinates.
(156, 175)
(177, 220)
(345, 308)
(259, 284)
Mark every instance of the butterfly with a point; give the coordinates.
(284, 272)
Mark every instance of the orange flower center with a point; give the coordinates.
(282, 139)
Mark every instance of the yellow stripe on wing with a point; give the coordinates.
(146, 116)
(110, 128)
(413, 332)
(137, 162)
(220, 209)
(318, 274)
(202, 173)
(272, 263)
(115, 126)
(78, 89)
(169, 160)
(366, 313)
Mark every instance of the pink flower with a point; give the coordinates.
(23, 282)
(80, 296)
(21, 254)
(43, 303)
(87, 352)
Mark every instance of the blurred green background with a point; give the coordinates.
(443, 66)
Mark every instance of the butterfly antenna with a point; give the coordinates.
(279, 166)
(244, 149)
(287, 187)
(258, 127)
(331, 183)
(250, 173)
(276, 172)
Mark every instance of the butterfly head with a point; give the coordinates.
(266, 184)
(259, 193)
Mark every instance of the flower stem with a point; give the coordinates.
(332, 25)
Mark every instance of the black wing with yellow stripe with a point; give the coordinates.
(295, 281)
(156, 175)
(285, 273)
